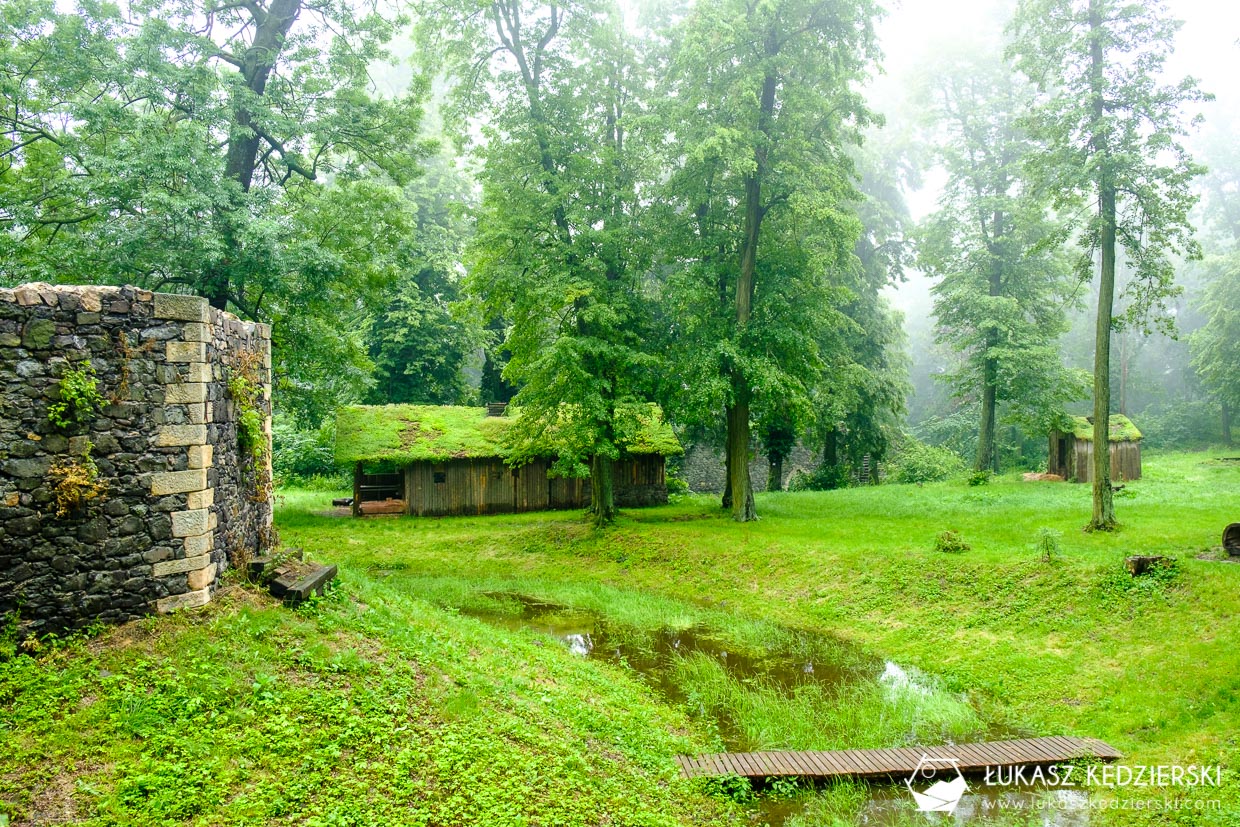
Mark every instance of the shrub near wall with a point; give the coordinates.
(123, 489)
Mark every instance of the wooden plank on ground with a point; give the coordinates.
(974, 758)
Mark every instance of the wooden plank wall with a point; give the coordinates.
(533, 491)
(488, 486)
(1125, 461)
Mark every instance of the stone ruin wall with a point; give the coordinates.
(704, 469)
(182, 502)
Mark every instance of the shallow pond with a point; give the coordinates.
(657, 657)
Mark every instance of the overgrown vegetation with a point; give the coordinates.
(75, 481)
(916, 462)
(80, 399)
(950, 542)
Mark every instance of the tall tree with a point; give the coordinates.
(1111, 132)
(1216, 345)
(762, 106)
(423, 341)
(233, 150)
(861, 399)
(558, 251)
(1001, 292)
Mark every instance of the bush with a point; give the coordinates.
(823, 478)
(980, 478)
(1184, 425)
(306, 459)
(950, 542)
(918, 462)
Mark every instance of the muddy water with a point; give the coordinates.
(652, 655)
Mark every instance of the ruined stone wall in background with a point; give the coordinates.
(703, 467)
(182, 498)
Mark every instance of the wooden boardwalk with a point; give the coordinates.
(882, 763)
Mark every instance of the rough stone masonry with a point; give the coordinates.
(182, 499)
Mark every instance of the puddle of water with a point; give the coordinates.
(892, 806)
(653, 656)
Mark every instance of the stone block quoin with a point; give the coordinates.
(181, 501)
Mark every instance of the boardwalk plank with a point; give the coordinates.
(972, 758)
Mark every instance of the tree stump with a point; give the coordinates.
(1140, 564)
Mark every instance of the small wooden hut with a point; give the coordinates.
(1072, 450)
(432, 460)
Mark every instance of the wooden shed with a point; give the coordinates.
(429, 460)
(1072, 450)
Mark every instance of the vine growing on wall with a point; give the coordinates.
(245, 388)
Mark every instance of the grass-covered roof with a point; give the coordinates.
(1122, 429)
(417, 433)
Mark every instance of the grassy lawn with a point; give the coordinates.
(387, 704)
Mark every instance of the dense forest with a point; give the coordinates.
(720, 206)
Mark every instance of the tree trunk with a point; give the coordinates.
(271, 28)
(738, 414)
(1104, 504)
(1226, 422)
(986, 433)
(775, 478)
(738, 456)
(602, 490)
(726, 502)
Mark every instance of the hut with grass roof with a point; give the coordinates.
(1072, 449)
(431, 460)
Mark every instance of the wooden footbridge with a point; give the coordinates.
(884, 763)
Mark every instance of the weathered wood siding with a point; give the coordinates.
(488, 486)
(1073, 459)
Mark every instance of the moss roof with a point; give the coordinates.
(416, 433)
(1122, 429)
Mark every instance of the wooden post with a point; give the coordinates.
(357, 490)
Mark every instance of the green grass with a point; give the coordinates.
(1074, 646)
(370, 708)
(385, 705)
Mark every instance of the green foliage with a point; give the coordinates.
(246, 391)
(916, 462)
(1132, 147)
(1216, 345)
(79, 398)
(422, 340)
(1185, 424)
(1001, 291)
(306, 458)
(1111, 157)
(227, 150)
(1119, 427)
(1047, 545)
(825, 477)
(950, 542)
(977, 478)
(755, 213)
(559, 252)
(1117, 584)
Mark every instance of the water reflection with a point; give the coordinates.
(652, 655)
